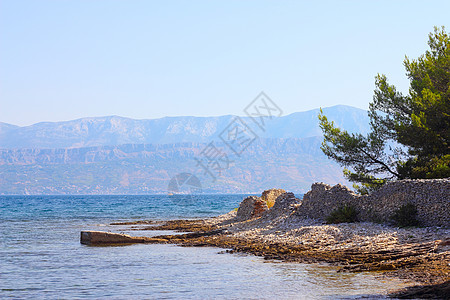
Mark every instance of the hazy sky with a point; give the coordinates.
(62, 60)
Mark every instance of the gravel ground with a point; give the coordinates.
(293, 230)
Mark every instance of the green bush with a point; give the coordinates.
(405, 216)
(344, 214)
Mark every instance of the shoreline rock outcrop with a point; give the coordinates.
(285, 204)
(250, 208)
(269, 196)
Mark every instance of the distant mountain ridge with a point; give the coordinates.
(114, 130)
(137, 152)
(115, 155)
(292, 164)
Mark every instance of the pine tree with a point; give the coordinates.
(410, 133)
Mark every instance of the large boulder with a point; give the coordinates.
(269, 196)
(250, 208)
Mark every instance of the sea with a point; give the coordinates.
(41, 256)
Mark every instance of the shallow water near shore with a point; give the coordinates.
(41, 256)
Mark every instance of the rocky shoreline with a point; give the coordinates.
(419, 255)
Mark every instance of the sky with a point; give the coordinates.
(63, 60)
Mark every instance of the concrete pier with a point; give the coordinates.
(105, 238)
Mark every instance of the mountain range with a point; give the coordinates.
(116, 155)
(114, 130)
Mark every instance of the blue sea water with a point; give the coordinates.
(41, 256)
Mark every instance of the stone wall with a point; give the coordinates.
(431, 197)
